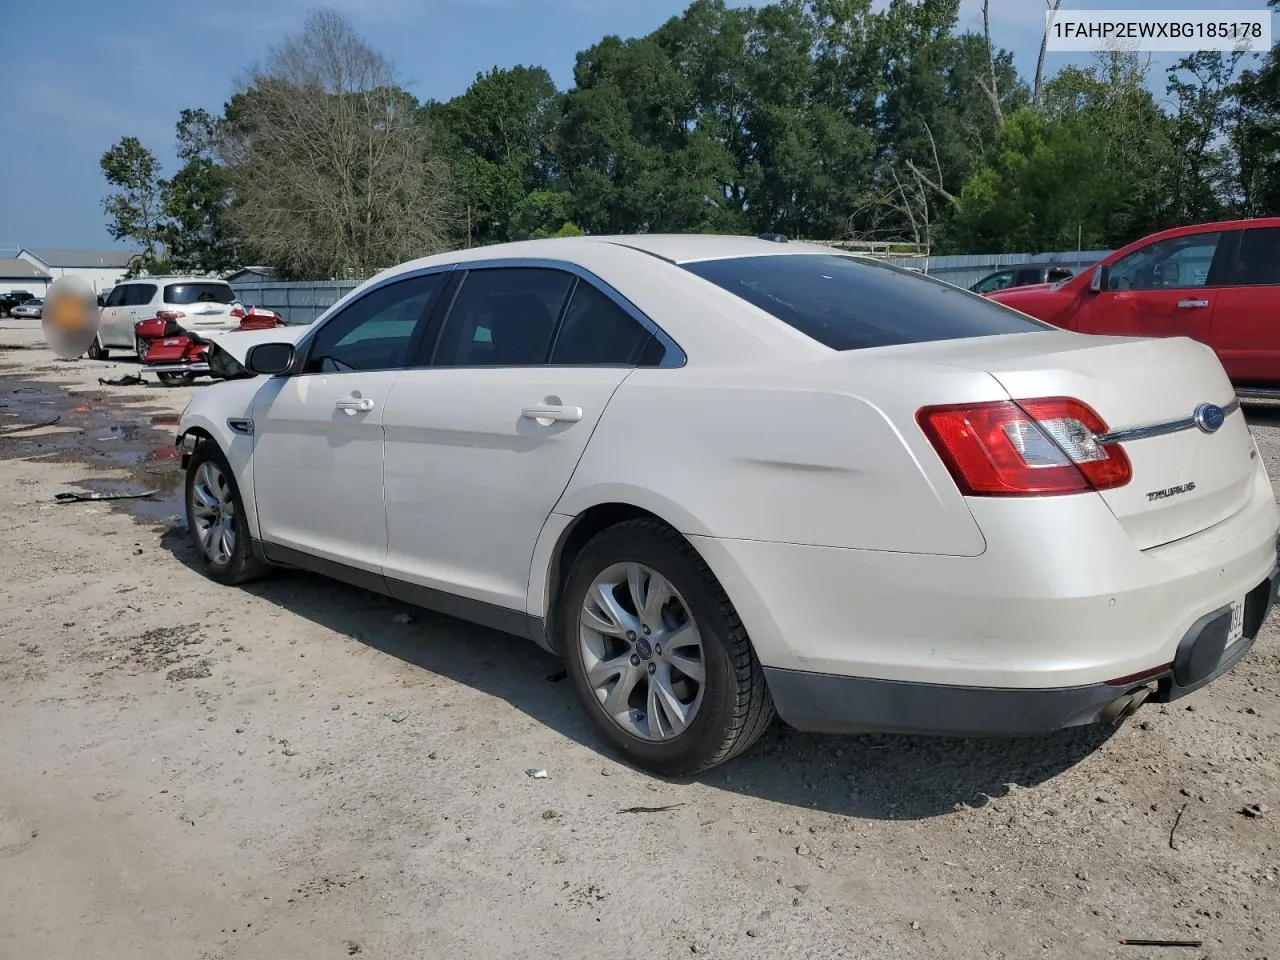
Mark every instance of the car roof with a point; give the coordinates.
(173, 278)
(673, 248)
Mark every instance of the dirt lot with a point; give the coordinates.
(292, 770)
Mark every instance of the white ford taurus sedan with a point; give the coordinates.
(726, 476)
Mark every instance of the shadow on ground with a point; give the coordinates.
(875, 777)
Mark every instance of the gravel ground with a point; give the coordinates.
(293, 770)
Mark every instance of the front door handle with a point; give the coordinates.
(553, 413)
(1192, 304)
(354, 405)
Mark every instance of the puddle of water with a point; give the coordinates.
(98, 430)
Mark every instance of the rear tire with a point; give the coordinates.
(215, 518)
(177, 379)
(140, 347)
(666, 719)
(97, 351)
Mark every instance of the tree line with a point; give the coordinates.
(822, 119)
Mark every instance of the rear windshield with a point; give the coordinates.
(198, 293)
(852, 304)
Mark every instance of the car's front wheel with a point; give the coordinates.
(657, 653)
(97, 351)
(215, 518)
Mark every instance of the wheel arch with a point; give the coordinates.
(565, 547)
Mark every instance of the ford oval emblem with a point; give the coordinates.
(1209, 417)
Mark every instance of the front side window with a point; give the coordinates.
(597, 332)
(1176, 263)
(116, 297)
(188, 293)
(503, 317)
(374, 332)
(849, 303)
(1258, 262)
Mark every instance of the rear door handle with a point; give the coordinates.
(354, 405)
(554, 413)
(1192, 304)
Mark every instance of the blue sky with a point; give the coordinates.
(79, 74)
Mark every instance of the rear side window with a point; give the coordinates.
(1058, 274)
(503, 317)
(138, 294)
(852, 304)
(188, 293)
(597, 332)
(1258, 262)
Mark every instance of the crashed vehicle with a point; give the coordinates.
(177, 355)
(725, 477)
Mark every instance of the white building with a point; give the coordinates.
(23, 275)
(102, 269)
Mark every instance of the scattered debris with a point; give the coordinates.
(606, 772)
(801, 888)
(1255, 810)
(128, 380)
(752, 932)
(402, 618)
(1161, 943)
(670, 806)
(550, 815)
(199, 671)
(29, 426)
(1172, 830)
(915, 924)
(558, 676)
(536, 774)
(399, 716)
(77, 496)
(802, 851)
(289, 752)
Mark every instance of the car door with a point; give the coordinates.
(483, 439)
(1164, 289)
(109, 323)
(1246, 331)
(317, 454)
(136, 307)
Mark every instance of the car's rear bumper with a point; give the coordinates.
(830, 703)
(1032, 631)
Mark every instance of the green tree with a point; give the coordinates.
(136, 210)
(1206, 179)
(499, 138)
(196, 201)
(1257, 135)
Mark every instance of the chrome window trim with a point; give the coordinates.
(302, 348)
(1162, 429)
(675, 355)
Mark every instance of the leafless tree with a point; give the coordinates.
(989, 84)
(334, 171)
(1037, 90)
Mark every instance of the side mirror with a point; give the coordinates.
(270, 359)
(1101, 279)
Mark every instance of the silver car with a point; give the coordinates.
(32, 308)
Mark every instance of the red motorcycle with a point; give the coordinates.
(177, 356)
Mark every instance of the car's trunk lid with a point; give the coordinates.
(1184, 480)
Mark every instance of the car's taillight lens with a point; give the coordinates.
(1025, 448)
(170, 314)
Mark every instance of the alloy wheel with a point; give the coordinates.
(642, 652)
(214, 513)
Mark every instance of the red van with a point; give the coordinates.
(1218, 283)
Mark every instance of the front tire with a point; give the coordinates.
(177, 379)
(97, 351)
(215, 518)
(657, 654)
(140, 347)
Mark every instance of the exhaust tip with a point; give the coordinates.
(1122, 708)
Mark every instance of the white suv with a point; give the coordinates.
(199, 304)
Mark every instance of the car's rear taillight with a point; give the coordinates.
(1025, 448)
(170, 314)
